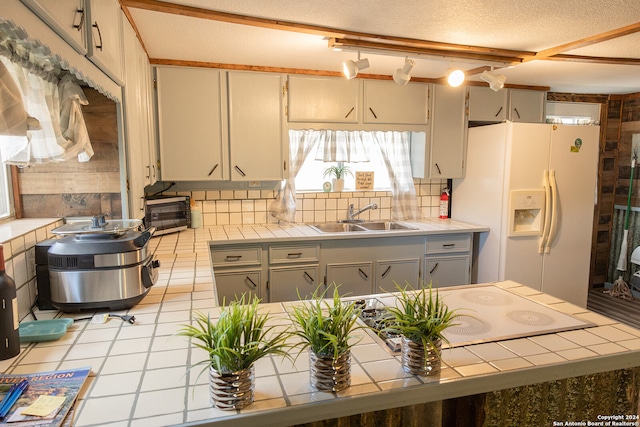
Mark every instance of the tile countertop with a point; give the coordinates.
(139, 375)
(265, 233)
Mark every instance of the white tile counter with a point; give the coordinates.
(139, 375)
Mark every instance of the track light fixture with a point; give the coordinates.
(351, 68)
(455, 77)
(401, 75)
(496, 81)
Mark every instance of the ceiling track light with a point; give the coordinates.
(496, 81)
(455, 77)
(351, 68)
(401, 76)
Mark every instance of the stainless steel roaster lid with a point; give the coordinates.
(98, 226)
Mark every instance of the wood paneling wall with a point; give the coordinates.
(72, 188)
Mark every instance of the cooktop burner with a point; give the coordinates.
(487, 313)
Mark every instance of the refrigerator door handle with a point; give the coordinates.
(554, 215)
(547, 213)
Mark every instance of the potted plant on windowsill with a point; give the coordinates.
(326, 327)
(338, 172)
(420, 317)
(234, 342)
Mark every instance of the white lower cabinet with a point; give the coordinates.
(447, 270)
(233, 283)
(292, 283)
(351, 279)
(447, 260)
(397, 272)
(290, 270)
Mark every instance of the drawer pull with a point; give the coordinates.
(294, 255)
(213, 170)
(363, 273)
(308, 276)
(98, 44)
(439, 171)
(517, 112)
(252, 282)
(448, 245)
(435, 267)
(80, 24)
(386, 271)
(233, 257)
(372, 112)
(499, 111)
(240, 171)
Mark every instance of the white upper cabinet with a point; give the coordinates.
(323, 99)
(388, 103)
(138, 123)
(256, 126)
(68, 18)
(517, 105)
(527, 105)
(487, 105)
(105, 37)
(192, 124)
(441, 153)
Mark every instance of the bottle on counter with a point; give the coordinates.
(196, 215)
(9, 332)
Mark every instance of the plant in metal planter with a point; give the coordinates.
(420, 317)
(326, 328)
(234, 342)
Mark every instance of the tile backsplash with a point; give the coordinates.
(242, 207)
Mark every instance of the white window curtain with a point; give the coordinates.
(41, 99)
(332, 146)
(394, 147)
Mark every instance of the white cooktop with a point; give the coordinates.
(489, 313)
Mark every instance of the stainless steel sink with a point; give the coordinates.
(385, 226)
(346, 227)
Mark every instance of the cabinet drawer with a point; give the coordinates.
(298, 253)
(448, 243)
(232, 257)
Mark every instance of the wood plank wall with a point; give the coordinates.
(72, 188)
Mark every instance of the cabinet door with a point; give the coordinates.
(105, 37)
(232, 284)
(292, 283)
(352, 279)
(323, 99)
(401, 272)
(190, 124)
(448, 132)
(255, 126)
(487, 105)
(447, 270)
(388, 103)
(66, 17)
(527, 105)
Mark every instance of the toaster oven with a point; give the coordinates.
(167, 214)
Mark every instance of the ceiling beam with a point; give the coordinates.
(587, 41)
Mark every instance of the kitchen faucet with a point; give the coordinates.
(351, 214)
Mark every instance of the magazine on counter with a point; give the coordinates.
(53, 392)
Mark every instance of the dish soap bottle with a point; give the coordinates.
(9, 332)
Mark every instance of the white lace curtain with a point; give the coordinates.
(351, 146)
(54, 129)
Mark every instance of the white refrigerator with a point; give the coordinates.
(534, 186)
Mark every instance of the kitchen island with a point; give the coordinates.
(140, 377)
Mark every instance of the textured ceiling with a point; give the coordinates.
(507, 24)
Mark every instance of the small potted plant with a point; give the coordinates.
(338, 172)
(234, 342)
(326, 328)
(420, 317)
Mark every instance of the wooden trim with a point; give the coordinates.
(588, 41)
(127, 13)
(594, 59)
(17, 197)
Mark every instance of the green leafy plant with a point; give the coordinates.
(338, 172)
(419, 315)
(325, 328)
(238, 338)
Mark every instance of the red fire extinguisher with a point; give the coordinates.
(444, 204)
